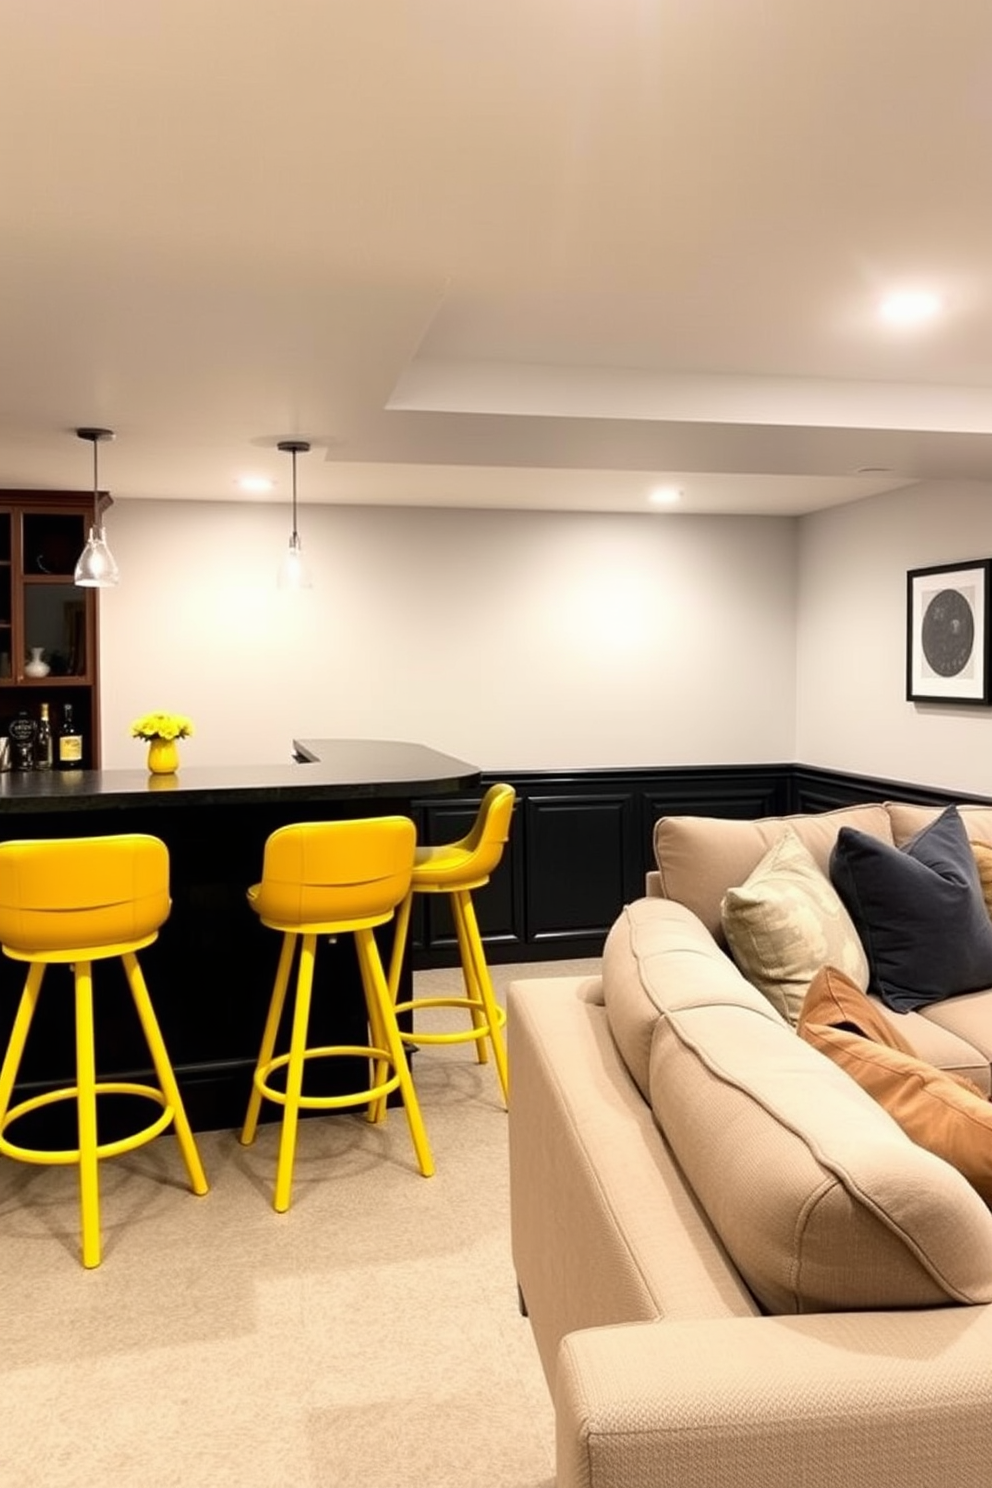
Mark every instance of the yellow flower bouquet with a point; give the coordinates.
(168, 726)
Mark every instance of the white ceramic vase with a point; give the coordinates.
(36, 667)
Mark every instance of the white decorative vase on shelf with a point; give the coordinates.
(36, 667)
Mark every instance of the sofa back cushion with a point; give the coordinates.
(700, 857)
(821, 1200)
(906, 819)
(657, 953)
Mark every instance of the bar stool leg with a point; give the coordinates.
(89, 1185)
(402, 926)
(377, 994)
(294, 1075)
(270, 1034)
(480, 968)
(19, 1033)
(401, 923)
(473, 989)
(164, 1071)
(378, 1068)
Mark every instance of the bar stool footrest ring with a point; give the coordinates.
(104, 1149)
(330, 1102)
(459, 1036)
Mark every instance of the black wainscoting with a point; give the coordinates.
(581, 845)
(825, 790)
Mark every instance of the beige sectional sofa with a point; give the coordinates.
(739, 1270)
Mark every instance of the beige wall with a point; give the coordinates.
(544, 640)
(852, 712)
(512, 639)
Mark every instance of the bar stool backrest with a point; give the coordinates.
(71, 893)
(490, 832)
(336, 872)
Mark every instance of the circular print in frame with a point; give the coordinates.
(948, 634)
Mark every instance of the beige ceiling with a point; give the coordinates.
(534, 253)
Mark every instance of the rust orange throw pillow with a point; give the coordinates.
(945, 1113)
(983, 862)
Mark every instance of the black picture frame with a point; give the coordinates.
(947, 633)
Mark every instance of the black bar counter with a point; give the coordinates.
(336, 771)
(210, 971)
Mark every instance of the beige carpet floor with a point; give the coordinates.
(369, 1338)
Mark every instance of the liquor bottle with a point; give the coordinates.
(70, 742)
(22, 731)
(43, 741)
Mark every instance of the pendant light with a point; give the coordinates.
(292, 574)
(96, 568)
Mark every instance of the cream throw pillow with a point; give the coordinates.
(785, 922)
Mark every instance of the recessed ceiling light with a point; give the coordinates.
(255, 483)
(908, 307)
(665, 496)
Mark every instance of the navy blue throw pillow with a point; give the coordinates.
(919, 912)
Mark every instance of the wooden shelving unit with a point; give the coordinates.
(41, 536)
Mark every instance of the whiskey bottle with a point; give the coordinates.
(43, 741)
(70, 742)
(22, 731)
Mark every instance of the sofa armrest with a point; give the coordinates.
(831, 1400)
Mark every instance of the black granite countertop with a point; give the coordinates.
(327, 770)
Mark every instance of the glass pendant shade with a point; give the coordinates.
(292, 570)
(96, 568)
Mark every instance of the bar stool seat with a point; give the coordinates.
(455, 869)
(332, 878)
(77, 901)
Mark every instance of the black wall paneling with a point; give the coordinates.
(827, 790)
(579, 855)
(581, 845)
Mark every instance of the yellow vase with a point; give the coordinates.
(163, 756)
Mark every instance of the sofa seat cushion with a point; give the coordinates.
(700, 857)
(919, 911)
(969, 1017)
(820, 1198)
(944, 1113)
(949, 1048)
(658, 953)
(786, 921)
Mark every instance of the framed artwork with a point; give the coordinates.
(947, 633)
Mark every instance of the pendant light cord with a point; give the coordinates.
(293, 447)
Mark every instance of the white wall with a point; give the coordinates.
(852, 712)
(511, 639)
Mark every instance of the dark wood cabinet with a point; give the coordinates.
(42, 611)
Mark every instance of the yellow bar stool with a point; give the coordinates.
(456, 868)
(332, 878)
(77, 901)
